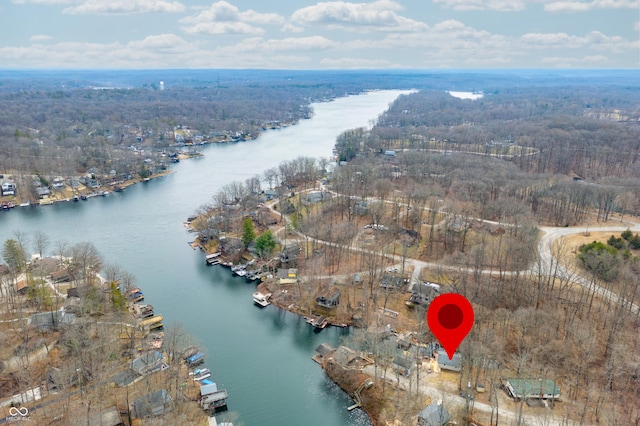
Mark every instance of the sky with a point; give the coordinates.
(304, 34)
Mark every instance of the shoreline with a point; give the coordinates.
(10, 204)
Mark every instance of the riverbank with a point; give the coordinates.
(80, 193)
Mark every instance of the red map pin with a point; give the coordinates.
(450, 318)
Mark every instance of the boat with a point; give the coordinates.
(76, 198)
(83, 197)
(201, 374)
(27, 203)
(196, 359)
(261, 299)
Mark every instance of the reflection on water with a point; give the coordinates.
(261, 356)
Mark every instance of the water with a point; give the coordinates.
(261, 356)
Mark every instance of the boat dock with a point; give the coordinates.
(213, 259)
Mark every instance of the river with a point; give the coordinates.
(261, 356)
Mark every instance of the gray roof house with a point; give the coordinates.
(433, 415)
(404, 364)
(152, 404)
(330, 299)
(148, 362)
(453, 364)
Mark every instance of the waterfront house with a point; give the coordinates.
(148, 362)
(330, 299)
(433, 415)
(8, 187)
(43, 191)
(287, 276)
(323, 351)
(346, 357)
(153, 404)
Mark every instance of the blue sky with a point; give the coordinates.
(319, 35)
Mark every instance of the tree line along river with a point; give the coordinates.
(261, 356)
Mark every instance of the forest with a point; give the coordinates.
(451, 191)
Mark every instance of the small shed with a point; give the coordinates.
(433, 415)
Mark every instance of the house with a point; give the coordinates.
(61, 275)
(330, 299)
(108, 417)
(360, 207)
(532, 388)
(8, 187)
(453, 364)
(322, 352)
(433, 415)
(148, 362)
(21, 287)
(423, 293)
(289, 253)
(391, 282)
(46, 320)
(346, 358)
(152, 404)
(43, 191)
(317, 196)
(270, 194)
(287, 275)
(390, 153)
(404, 363)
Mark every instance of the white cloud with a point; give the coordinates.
(291, 44)
(569, 61)
(290, 28)
(160, 51)
(593, 40)
(377, 16)
(124, 7)
(549, 5)
(225, 18)
(584, 6)
(467, 5)
(355, 63)
(41, 37)
(48, 2)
